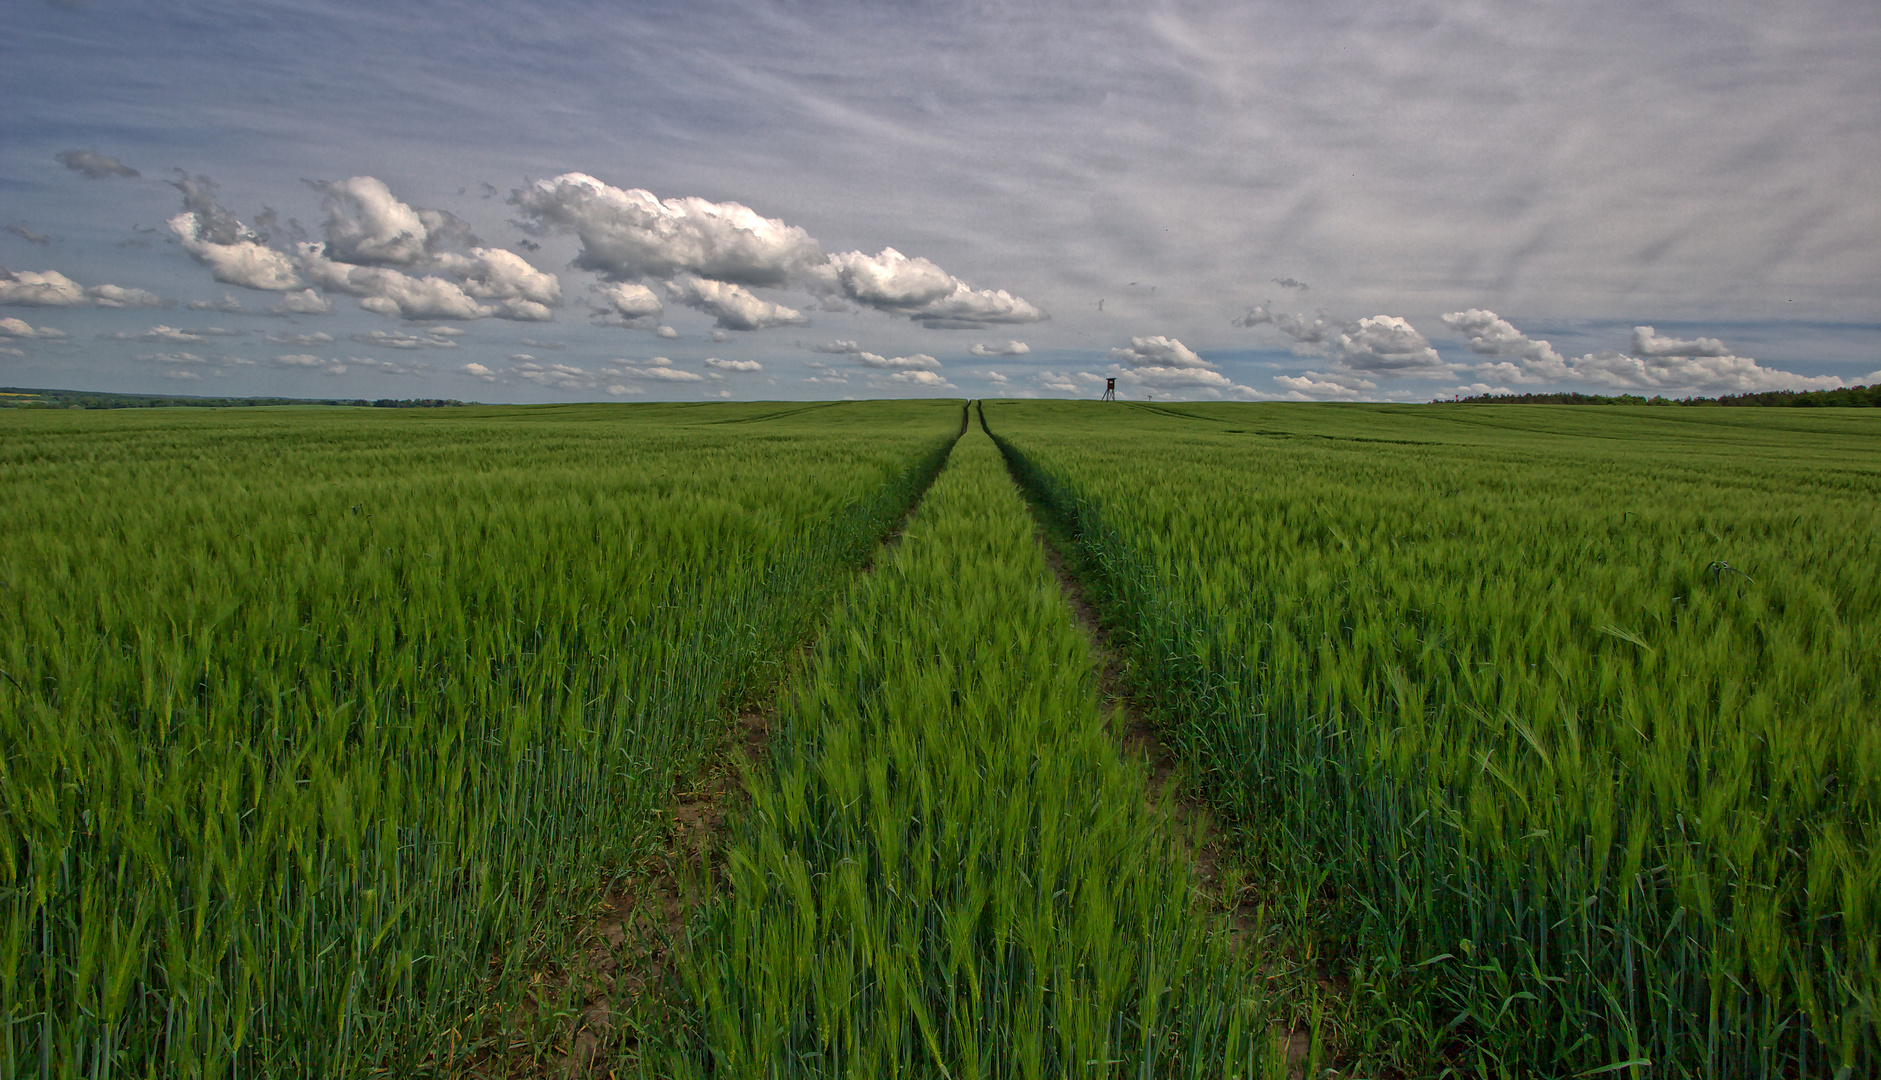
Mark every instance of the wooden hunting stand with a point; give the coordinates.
(1110, 390)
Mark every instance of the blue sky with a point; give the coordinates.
(566, 201)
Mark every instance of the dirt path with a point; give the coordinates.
(609, 988)
(1220, 878)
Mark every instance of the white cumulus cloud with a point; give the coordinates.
(929, 379)
(1648, 343)
(234, 253)
(1158, 351)
(227, 305)
(658, 369)
(627, 300)
(304, 302)
(1664, 365)
(367, 224)
(49, 288)
(21, 329)
(1491, 335)
(1010, 348)
(1386, 344)
(628, 234)
(733, 365)
(393, 339)
(918, 361)
(734, 306)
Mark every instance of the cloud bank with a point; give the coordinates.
(710, 255)
(49, 288)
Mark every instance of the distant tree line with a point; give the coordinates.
(1855, 396)
(86, 399)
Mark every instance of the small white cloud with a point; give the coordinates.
(719, 336)
(1010, 348)
(659, 369)
(19, 328)
(929, 379)
(478, 371)
(555, 376)
(892, 282)
(227, 305)
(1158, 352)
(629, 301)
(181, 375)
(897, 363)
(1648, 343)
(304, 302)
(733, 365)
(1313, 384)
(169, 334)
(117, 296)
(734, 306)
(392, 339)
(49, 288)
(315, 338)
(310, 361)
(838, 348)
(666, 332)
(1069, 382)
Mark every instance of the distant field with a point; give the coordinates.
(1545, 738)
(1564, 717)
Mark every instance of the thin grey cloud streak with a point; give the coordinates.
(95, 165)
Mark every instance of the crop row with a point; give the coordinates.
(1570, 719)
(318, 730)
(948, 869)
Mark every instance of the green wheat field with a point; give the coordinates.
(1496, 741)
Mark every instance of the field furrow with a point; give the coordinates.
(950, 869)
(321, 729)
(1556, 725)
